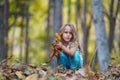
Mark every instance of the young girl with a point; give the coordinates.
(70, 56)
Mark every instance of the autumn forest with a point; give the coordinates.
(28, 27)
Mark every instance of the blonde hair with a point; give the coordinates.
(73, 31)
(74, 39)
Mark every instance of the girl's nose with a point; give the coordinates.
(68, 33)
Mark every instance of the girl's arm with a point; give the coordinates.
(70, 51)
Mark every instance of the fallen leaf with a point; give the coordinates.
(33, 77)
(20, 75)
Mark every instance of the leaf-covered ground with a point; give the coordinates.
(43, 72)
(19, 71)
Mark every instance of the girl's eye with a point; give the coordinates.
(68, 32)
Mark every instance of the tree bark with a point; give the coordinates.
(57, 15)
(101, 39)
(4, 13)
(84, 30)
(21, 38)
(69, 7)
(77, 15)
(1, 32)
(49, 26)
(57, 23)
(112, 22)
(26, 35)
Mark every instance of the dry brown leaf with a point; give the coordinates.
(34, 76)
(20, 75)
(32, 65)
(41, 72)
(97, 75)
(91, 75)
(115, 73)
(89, 72)
(69, 72)
(31, 72)
(81, 72)
(7, 76)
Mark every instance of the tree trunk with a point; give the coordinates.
(21, 38)
(69, 10)
(57, 23)
(112, 22)
(77, 15)
(101, 39)
(57, 15)
(49, 26)
(4, 9)
(26, 35)
(1, 32)
(84, 29)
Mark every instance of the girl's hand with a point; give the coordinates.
(59, 45)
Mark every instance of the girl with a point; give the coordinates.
(70, 56)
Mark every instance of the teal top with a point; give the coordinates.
(74, 62)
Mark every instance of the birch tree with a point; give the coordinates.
(101, 39)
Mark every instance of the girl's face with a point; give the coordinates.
(67, 34)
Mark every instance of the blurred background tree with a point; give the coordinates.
(27, 27)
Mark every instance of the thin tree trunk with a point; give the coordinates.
(1, 32)
(26, 35)
(69, 10)
(4, 13)
(112, 22)
(21, 38)
(6, 16)
(49, 25)
(84, 29)
(77, 15)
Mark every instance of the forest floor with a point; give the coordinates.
(20, 71)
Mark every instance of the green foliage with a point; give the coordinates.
(115, 58)
(37, 58)
(37, 32)
(91, 49)
(36, 28)
(39, 11)
(37, 47)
